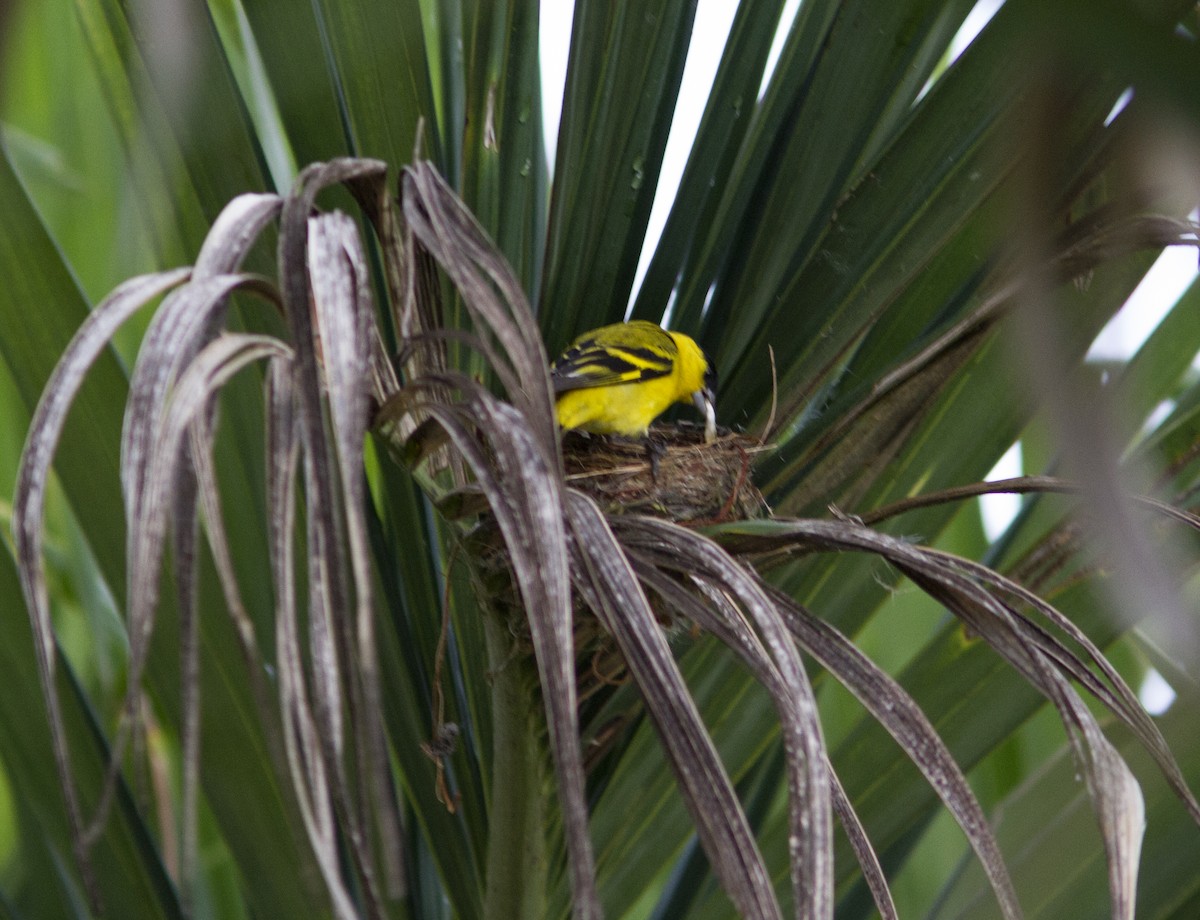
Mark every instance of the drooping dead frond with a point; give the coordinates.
(520, 474)
(169, 485)
(1115, 793)
(591, 546)
(610, 589)
(616, 545)
(29, 512)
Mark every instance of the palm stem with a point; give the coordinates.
(517, 867)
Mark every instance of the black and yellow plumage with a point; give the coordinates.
(618, 379)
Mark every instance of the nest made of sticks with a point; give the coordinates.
(672, 473)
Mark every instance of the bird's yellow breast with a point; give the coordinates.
(624, 409)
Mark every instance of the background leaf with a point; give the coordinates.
(847, 220)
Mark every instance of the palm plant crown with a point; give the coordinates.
(389, 646)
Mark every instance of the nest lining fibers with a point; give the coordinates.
(671, 474)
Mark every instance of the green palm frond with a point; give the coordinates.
(379, 656)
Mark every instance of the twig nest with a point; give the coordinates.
(673, 473)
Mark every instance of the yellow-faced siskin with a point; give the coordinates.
(618, 379)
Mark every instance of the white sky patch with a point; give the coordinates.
(979, 17)
(1155, 694)
(981, 14)
(668, 311)
(1001, 510)
(1119, 106)
(1158, 415)
(711, 29)
(554, 46)
(1150, 301)
(786, 17)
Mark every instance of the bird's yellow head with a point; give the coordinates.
(693, 374)
(697, 381)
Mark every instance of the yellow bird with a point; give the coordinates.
(618, 379)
